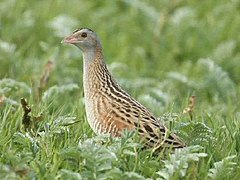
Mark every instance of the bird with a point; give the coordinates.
(110, 109)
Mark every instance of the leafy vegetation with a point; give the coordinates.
(161, 52)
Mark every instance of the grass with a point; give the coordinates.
(161, 52)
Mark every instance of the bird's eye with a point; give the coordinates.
(84, 35)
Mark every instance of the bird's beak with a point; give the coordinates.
(70, 39)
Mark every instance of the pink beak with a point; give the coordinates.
(70, 40)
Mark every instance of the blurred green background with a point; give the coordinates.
(179, 47)
(160, 51)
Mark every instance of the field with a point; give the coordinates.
(161, 52)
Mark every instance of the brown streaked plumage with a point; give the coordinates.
(110, 109)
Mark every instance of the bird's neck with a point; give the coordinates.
(92, 56)
(94, 70)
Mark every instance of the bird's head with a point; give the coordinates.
(84, 38)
